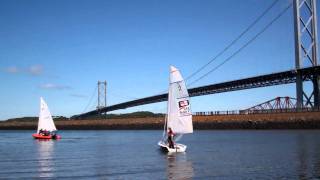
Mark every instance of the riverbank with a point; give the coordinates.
(297, 120)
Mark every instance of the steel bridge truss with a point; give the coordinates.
(276, 103)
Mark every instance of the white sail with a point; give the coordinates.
(45, 118)
(179, 111)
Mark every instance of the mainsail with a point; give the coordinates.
(45, 118)
(179, 117)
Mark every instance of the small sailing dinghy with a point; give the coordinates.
(46, 127)
(179, 116)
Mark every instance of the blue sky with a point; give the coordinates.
(60, 49)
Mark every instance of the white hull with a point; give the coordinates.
(177, 147)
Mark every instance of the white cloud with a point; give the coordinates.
(54, 86)
(12, 70)
(35, 70)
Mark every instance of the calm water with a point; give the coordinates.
(279, 154)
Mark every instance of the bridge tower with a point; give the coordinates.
(102, 94)
(306, 54)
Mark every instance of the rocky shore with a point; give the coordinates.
(297, 120)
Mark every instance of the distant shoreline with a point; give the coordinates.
(297, 120)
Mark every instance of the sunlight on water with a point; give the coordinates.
(178, 167)
(45, 149)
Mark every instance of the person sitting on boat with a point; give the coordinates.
(54, 134)
(41, 131)
(46, 133)
(170, 138)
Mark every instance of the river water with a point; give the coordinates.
(130, 154)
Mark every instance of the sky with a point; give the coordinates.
(59, 49)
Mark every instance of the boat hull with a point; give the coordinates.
(178, 147)
(38, 136)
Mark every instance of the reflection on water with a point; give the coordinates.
(45, 149)
(308, 158)
(302, 157)
(293, 154)
(178, 167)
(316, 169)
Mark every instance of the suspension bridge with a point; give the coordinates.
(306, 65)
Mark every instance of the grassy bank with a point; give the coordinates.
(301, 120)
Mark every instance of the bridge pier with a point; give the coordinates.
(316, 90)
(299, 90)
(306, 52)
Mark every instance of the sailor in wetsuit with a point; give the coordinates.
(170, 138)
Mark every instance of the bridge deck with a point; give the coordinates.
(285, 77)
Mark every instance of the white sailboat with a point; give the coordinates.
(179, 116)
(45, 123)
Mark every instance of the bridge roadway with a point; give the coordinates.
(273, 79)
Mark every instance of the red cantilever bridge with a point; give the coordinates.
(286, 77)
(276, 103)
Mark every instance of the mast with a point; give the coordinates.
(165, 128)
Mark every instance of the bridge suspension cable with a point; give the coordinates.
(226, 48)
(235, 40)
(93, 93)
(229, 45)
(121, 95)
(244, 46)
